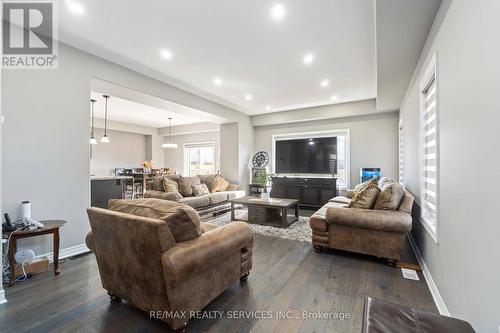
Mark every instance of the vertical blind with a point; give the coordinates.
(430, 156)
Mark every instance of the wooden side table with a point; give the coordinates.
(49, 227)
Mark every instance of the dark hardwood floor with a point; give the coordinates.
(286, 276)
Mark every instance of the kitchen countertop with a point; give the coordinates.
(109, 177)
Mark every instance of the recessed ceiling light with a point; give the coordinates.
(334, 97)
(268, 107)
(75, 7)
(308, 58)
(325, 83)
(217, 81)
(278, 11)
(166, 54)
(248, 97)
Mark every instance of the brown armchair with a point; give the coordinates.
(141, 262)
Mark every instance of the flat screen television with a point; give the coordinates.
(311, 155)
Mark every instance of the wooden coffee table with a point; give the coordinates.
(271, 212)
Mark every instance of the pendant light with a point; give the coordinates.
(169, 145)
(93, 141)
(105, 138)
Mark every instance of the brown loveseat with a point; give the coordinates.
(379, 233)
(215, 201)
(156, 255)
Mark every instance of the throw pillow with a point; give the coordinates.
(158, 181)
(362, 186)
(170, 186)
(210, 181)
(390, 197)
(200, 190)
(220, 183)
(232, 187)
(366, 198)
(185, 187)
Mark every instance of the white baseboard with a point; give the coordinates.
(67, 252)
(438, 300)
(2, 296)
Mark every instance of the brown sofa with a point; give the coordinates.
(158, 256)
(379, 233)
(209, 203)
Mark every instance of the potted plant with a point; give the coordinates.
(265, 180)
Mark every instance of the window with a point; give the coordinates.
(401, 154)
(429, 151)
(199, 158)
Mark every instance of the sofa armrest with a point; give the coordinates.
(172, 196)
(197, 255)
(349, 194)
(89, 241)
(391, 221)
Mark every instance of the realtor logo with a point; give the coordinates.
(29, 35)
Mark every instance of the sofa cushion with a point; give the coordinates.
(173, 196)
(220, 183)
(366, 198)
(208, 226)
(170, 185)
(340, 199)
(182, 220)
(233, 187)
(194, 180)
(158, 181)
(390, 196)
(195, 202)
(234, 194)
(185, 186)
(217, 197)
(210, 181)
(318, 219)
(384, 181)
(199, 190)
(406, 204)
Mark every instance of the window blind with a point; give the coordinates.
(430, 156)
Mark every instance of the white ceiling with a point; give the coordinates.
(239, 42)
(126, 111)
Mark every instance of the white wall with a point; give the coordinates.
(374, 140)
(464, 265)
(174, 158)
(124, 150)
(45, 151)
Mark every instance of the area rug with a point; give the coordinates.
(299, 230)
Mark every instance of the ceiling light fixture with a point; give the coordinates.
(248, 97)
(334, 97)
(308, 58)
(105, 138)
(75, 7)
(325, 83)
(169, 144)
(93, 141)
(218, 81)
(278, 11)
(268, 107)
(166, 54)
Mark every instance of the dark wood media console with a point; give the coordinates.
(311, 192)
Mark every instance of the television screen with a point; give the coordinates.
(365, 174)
(311, 155)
